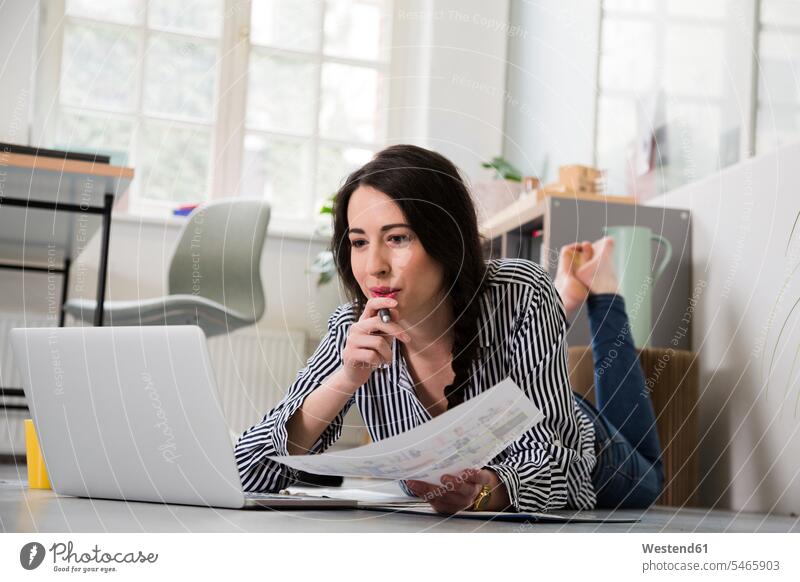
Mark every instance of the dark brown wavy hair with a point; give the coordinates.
(436, 202)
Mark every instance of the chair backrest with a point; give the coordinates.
(218, 255)
(673, 381)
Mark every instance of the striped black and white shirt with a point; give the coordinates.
(522, 330)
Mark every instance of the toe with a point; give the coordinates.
(606, 245)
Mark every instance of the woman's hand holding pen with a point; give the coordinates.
(458, 492)
(369, 341)
(367, 346)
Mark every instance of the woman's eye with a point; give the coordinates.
(395, 239)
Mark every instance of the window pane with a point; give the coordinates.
(179, 77)
(354, 28)
(99, 134)
(779, 62)
(673, 83)
(780, 12)
(175, 162)
(99, 67)
(289, 24)
(616, 125)
(776, 127)
(334, 164)
(628, 55)
(122, 11)
(629, 5)
(716, 9)
(281, 94)
(350, 97)
(189, 16)
(616, 132)
(695, 57)
(278, 170)
(693, 143)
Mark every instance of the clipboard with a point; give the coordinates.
(285, 500)
(558, 516)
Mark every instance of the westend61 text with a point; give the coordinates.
(673, 549)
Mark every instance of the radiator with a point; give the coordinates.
(254, 367)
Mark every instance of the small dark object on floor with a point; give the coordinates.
(310, 480)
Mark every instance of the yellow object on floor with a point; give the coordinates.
(37, 472)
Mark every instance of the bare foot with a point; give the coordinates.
(598, 272)
(573, 292)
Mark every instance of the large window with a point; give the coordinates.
(210, 98)
(778, 118)
(670, 80)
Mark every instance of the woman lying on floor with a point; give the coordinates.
(406, 239)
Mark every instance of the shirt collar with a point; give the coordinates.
(486, 326)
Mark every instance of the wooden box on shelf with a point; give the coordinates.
(584, 179)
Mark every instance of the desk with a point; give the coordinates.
(46, 219)
(33, 510)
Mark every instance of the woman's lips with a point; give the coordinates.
(391, 294)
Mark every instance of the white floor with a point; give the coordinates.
(30, 510)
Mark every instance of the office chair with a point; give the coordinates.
(214, 276)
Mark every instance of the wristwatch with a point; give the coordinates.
(482, 500)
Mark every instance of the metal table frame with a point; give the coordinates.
(105, 212)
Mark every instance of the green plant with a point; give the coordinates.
(324, 265)
(327, 205)
(504, 169)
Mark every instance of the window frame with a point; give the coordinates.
(383, 67)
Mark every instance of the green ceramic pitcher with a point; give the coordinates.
(632, 261)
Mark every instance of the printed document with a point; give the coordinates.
(468, 436)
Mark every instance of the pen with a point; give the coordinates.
(385, 318)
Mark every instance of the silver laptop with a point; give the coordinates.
(133, 413)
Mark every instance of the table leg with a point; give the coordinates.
(102, 272)
(64, 290)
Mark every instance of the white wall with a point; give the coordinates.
(18, 33)
(552, 57)
(448, 76)
(746, 332)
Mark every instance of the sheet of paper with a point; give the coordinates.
(353, 493)
(468, 436)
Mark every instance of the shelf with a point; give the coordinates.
(532, 208)
(525, 210)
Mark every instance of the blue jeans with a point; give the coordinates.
(629, 471)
